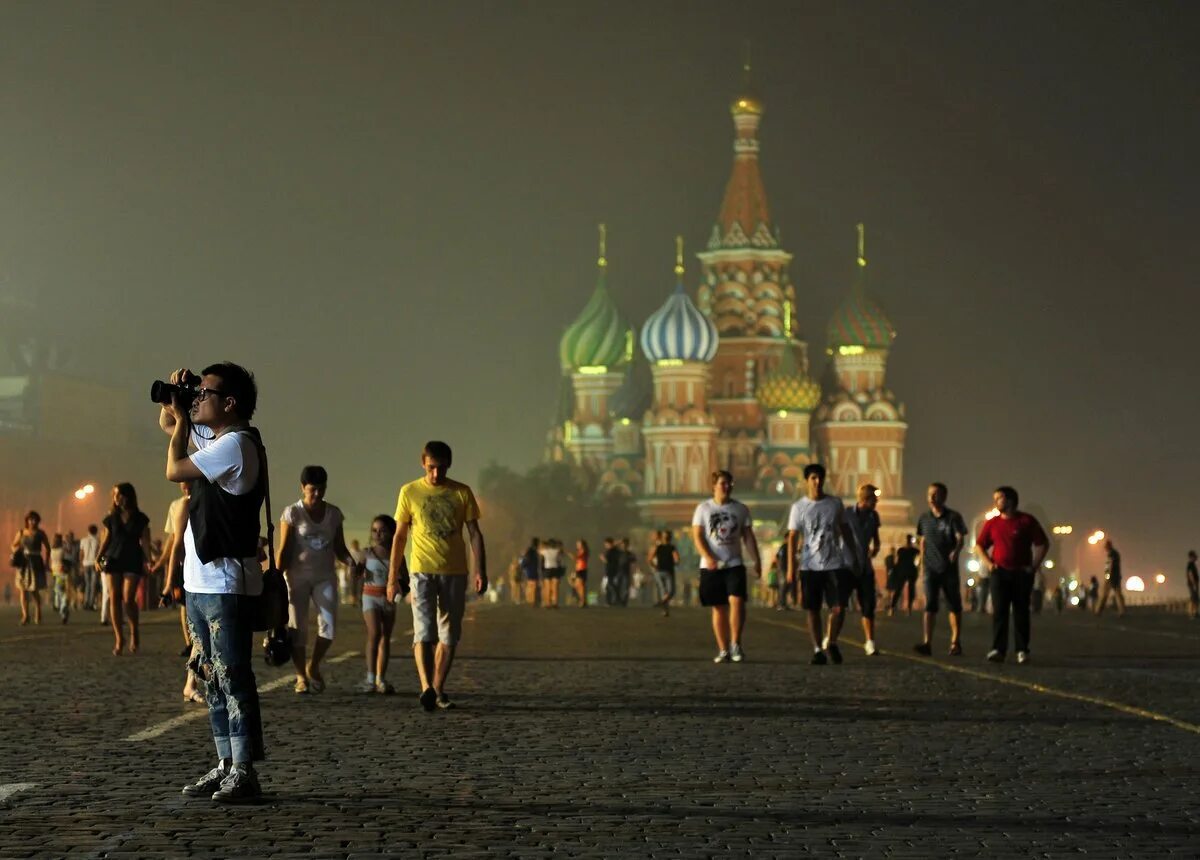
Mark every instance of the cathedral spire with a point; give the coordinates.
(603, 261)
(744, 220)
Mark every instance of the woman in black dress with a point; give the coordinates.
(32, 548)
(125, 553)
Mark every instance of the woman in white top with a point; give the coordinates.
(378, 614)
(552, 565)
(311, 541)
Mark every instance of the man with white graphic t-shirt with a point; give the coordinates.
(720, 526)
(817, 523)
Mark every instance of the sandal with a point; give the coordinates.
(301, 685)
(196, 697)
(316, 685)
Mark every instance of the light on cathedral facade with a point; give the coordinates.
(724, 381)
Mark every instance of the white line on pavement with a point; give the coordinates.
(8, 789)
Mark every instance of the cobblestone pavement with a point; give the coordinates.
(607, 733)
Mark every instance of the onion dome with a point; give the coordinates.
(679, 331)
(788, 387)
(635, 395)
(598, 337)
(859, 321)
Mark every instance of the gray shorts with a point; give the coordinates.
(370, 602)
(438, 603)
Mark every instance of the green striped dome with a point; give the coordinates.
(598, 337)
(788, 387)
(860, 322)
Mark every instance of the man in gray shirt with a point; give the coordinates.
(941, 532)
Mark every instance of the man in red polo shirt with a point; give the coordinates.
(1012, 547)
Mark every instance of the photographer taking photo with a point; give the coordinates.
(221, 572)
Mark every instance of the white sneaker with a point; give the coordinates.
(722, 657)
(870, 648)
(736, 654)
(1022, 656)
(825, 644)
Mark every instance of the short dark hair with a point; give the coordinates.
(32, 515)
(238, 383)
(814, 469)
(1010, 494)
(92, 529)
(721, 473)
(439, 451)
(940, 486)
(315, 475)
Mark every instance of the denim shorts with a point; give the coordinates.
(438, 603)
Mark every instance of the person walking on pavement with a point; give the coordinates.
(379, 615)
(31, 556)
(664, 558)
(433, 510)
(626, 563)
(720, 526)
(552, 571)
(125, 549)
(1011, 547)
(61, 599)
(942, 533)
(311, 542)
(905, 575)
(89, 551)
(610, 557)
(817, 532)
(1193, 585)
(858, 563)
(1112, 580)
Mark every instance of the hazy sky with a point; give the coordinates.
(388, 212)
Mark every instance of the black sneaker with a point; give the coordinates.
(207, 784)
(240, 786)
(444, 703)
(429, 699)
(955, 649)
(924, 649)
(835, 653)
(818, 658)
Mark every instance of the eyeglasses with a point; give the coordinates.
(202, 393)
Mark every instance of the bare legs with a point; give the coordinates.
(580, 586)
(837, 617)
(116, 615)
(720, 625)
(1115, 593)
(433, 665)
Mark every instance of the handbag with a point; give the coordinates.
(268, 610)
(18, 558)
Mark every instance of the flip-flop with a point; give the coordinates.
(301, 685)
(316, 685)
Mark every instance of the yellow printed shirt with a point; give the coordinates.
(437, 515)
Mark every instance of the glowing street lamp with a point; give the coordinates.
(1063, 530)
(1096, 537)
(1160, 578)
(80, 494)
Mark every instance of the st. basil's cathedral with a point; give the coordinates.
(722, 380)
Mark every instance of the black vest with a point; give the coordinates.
(225, 525)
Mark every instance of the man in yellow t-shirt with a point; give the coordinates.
(432, 511)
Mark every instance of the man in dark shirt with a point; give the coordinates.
(664, 557)
(611, 557)
(1193, 585)
(1011, 547)
(941, 532)
(905, 574)
(1112, 581)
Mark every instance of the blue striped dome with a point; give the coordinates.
(679, 331)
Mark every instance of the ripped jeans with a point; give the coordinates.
(218, 623)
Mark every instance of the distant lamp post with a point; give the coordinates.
(80, 494)
(1160, 578)
(1063, 530)
(1135, 583)
(1095, 537)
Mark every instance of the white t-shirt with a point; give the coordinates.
(819, 525)
(551, 557)
(723, 526)
(172, 512)
(313, 554)
(89, 548)
(230, 462)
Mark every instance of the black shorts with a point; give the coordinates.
(861, 583)
(831, 586)
(945, 582)
(554, 573)
(717, 586)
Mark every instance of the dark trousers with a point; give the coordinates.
(907, 582)
(617, 591)
(1011, 589)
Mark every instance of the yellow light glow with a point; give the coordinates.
(80, 494)
(1063, 530)
(89, 489)
(593, 369)
(1049, 564)
(782, 413)
(624, 422)
(1160, 578)
(992, 514)
(878, 493)
(1099, 535)
(851, 350)
(670, 362)
(1135, 583)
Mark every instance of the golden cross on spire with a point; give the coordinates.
(787, 319)
(862, 245)
(679, 256)
(603, 261)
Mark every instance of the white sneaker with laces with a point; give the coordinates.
(736, 654)
(1022, 656)
(722, 657)
(869, 647)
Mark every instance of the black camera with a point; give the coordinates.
(161, 392)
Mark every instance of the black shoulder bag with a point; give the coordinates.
(268, 611)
